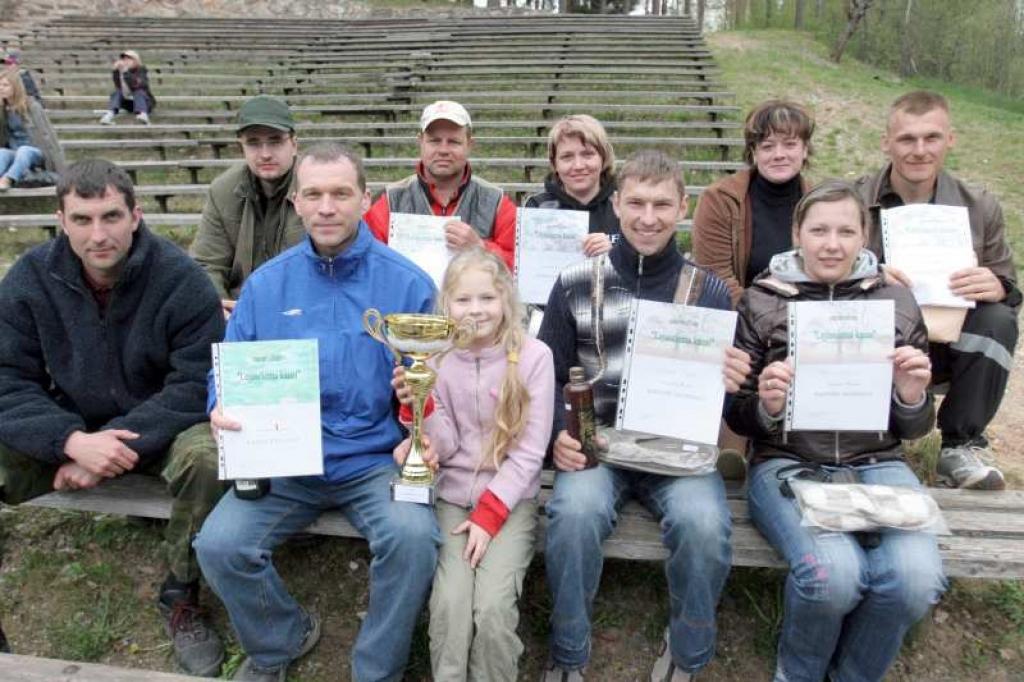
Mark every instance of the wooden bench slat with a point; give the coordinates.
(15, 668)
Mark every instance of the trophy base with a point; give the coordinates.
(402, 491)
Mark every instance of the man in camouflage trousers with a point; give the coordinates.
(105, 337)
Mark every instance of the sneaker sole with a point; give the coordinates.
(990, 480)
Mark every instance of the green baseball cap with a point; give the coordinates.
(264, 110)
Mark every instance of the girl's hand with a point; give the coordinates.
(596, 243)
(402, 390)
(911, 374)
(773, 384)
(476, 544)
(428, 454)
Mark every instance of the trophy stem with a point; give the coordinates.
(420, 378)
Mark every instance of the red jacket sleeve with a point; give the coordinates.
(379, 218)
(490, 513)
(503, 236)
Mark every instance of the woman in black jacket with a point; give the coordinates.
(131, 89)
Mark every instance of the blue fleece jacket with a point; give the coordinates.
(301, 295)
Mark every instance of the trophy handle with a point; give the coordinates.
(464, 333)
(373, 323)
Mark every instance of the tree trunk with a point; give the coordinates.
(907, 66)
(798, 15)
(700, 14)
(855, 11)
(768, 12)
(686, 7)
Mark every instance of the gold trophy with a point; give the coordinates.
(418, 337)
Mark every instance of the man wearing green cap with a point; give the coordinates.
(248, 218)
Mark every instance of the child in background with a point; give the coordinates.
(488, 424)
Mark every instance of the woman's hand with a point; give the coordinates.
(476, 543)
(773, 385)
(911, 374)
(596, 243)
(402, 389)
(735, 369)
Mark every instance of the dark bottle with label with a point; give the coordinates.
(251, 488)
(579, 418)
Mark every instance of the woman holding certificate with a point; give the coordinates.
(744, 219)
(489, 421)
(849, 598)
(581, 178)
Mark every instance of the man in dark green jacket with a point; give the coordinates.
(248, 218)
(105, 337)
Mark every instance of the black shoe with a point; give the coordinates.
(197, 648)
(5, 648)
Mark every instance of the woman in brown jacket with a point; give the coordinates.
(744, 219)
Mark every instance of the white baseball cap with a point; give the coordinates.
(445, 110)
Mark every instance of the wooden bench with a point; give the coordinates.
(15, 668)
(987, 538)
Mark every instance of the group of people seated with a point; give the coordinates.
(105, 336)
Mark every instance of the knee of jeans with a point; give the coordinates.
(412, 538)
(914, 590)
(833, 586)
(698, 527)
(579, 508)
(217, 550)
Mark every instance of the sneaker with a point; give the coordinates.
(107, 119)
(556, 673)
(969, 466)
(143, 118)
(197, 648)
(6, 183)
(665, 669)
(250, 672)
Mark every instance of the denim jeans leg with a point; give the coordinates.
(404, 540)
(906, 579)
(6, 159)
(581, 515)
(695, 527)
(118, 101)
(140, 103)
(25, 157)
(234, 549)
(827, 577)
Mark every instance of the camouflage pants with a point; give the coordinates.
(189, 468)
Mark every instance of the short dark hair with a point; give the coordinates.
(651, 165)
(780, 117)
(90, 178)
(329, 152)
(830, 191)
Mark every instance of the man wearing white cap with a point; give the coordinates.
(444, 185)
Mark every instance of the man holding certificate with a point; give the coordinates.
(105, 337)
(444, 185)
(810, 409)
(319, 290)
(645, 264)
(917, 138)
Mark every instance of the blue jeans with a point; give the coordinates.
(847, 608)
(14, 163)
(138, 103)
(695, 527)
(235, 548)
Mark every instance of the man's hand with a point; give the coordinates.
(568, 452)
(596, 243)
(977, 284)
(429, 455)
(71, 476)
(228, 306)
(402, 390)
(103, 453)
(476, 543)
(912, 372)
(773, 384)
(458, 235)
(896, 276)
(736, 368)
(219, 421)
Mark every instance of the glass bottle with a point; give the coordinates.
(579, 419)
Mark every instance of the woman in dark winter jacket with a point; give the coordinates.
(131, 89)
(581, 178)
(848, 601)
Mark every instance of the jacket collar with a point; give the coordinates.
(632, 266)
(64, 264)
(554, 186)
(946, 192)
(786, 276)
(346, 261)
(251, 189)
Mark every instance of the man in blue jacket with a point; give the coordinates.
(319, 289)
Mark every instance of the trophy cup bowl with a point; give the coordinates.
(419, 337)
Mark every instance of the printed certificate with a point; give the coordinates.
(672, 382)
(929, 243)
(548, 240)
(273, 389)
(420, 238)
(842, 369)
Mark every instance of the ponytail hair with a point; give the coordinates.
(513, 398)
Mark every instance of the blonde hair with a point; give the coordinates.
(587, 130)
(19, 100)
(513, 398)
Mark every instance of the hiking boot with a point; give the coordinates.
(969, 466)
(665, 670)
(250, 672)
(556, 673)
(107, 119)
(5, 648)
(143, 118)
(197, 648)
